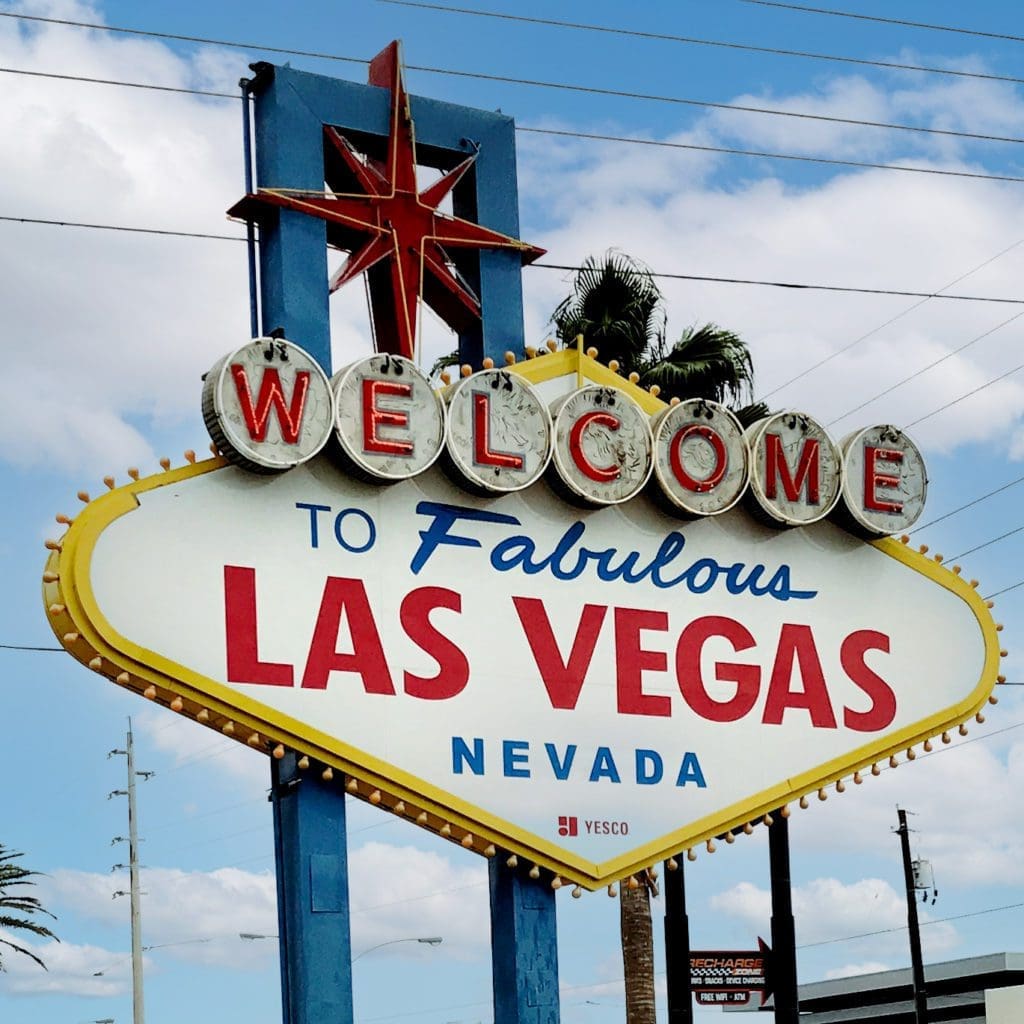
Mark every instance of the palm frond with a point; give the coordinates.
(11, 903)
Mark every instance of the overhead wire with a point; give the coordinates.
(596, 136)
(910, 309)
(966, 395)
(924, 369)
(530, 82)
(619, 30)
(986, 544)
(903, 22)
(967, 505)
(790, 285)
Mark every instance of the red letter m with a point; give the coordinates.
(776, 468)
(289, 418)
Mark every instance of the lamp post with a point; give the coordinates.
(429, 940)
(433, 940)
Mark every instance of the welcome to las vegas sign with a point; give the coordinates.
(540, 612)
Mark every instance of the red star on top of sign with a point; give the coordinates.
(393, 232)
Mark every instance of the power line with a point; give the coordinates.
(769, 155)
(967, 505)
(790, 285)
(874, 330)
(122, 227)
(925, 369)
(887, 21)
(593, 136)
(540, 84)
(692, 40)
(969, 394)
(27, 647)
(126, 85)
(1005, 590)
(794, 285)
(987, 544)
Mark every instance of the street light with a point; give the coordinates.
(429, 940)
(432, 940)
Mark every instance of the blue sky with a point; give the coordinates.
(107, 335)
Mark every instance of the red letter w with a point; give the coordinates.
(271, 395)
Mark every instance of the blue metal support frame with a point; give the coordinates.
(524, 947)
(312, 896)
(290, 111)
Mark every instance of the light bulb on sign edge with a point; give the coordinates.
(399, 808)
(631, 883)
(510, 359)
(303, 763)
(375, 797)
(149, 692)
(327, 774)
(672, 864)
(691, 854)
(962, 730)
(612, 891)
(893, 763)
(512, 862)
(946, 737)
(577, 893)
(110, 482)
(352, 785)
(768, 820)
(278, 752)
(556, 882)
(177, 704)
(445, 830)
(592, 352)
(803, 803)
(534, 872)
(979, 718)
(165, 464)
(467, 840)
(490, 851)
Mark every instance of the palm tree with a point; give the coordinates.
(617, 307)
(11, 876)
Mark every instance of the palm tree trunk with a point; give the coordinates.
(637, 953)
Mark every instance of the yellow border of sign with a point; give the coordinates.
(83, 630)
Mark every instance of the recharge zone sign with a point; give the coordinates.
(539, 611)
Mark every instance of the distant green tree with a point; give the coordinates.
(617, 306)
(14, 906)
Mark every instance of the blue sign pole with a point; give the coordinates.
(291, 109)
(524, 947)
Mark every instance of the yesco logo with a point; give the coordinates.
(569, 825)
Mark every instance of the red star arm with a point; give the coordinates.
(353, 212)
(463, 234)
(386, 72)
(369, 179)
(376, 249)
(435, 264)
(434, 195)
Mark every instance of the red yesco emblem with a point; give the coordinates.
(393, 232)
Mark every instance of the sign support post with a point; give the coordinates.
(524, 947)
(784, 983)
(677, 947)
(312, 896)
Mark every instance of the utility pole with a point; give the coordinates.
(138, 1004)
(783, 962)
(677, 946)
(920, 995)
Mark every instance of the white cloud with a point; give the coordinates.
(196, 916)
(70, 969)
(856, 970)
(826, 909)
